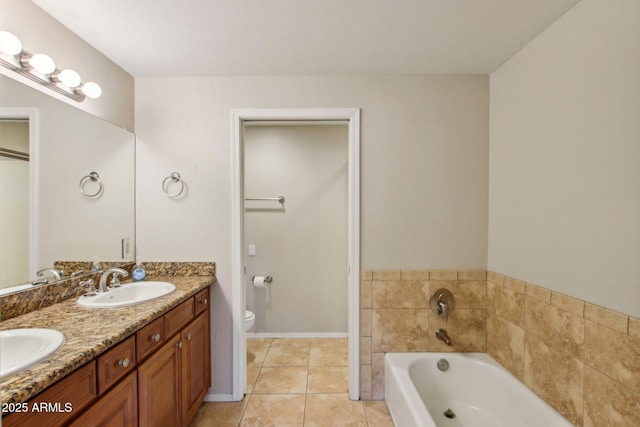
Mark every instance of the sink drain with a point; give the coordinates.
(449, 413)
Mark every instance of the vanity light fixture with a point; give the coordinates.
(42, 69)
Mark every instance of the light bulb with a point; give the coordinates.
(9, 43)
(42, 63)
(91, 90)
(69, 77)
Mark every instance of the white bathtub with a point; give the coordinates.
(479, 391)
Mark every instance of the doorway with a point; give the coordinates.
(240, 118)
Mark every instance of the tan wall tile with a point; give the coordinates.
(443, 274)
(567, 303)
(495, 278)
(365, 382)
(538, 292)
(366, 275)
(514, 284)
(634, 327)
(400, 330)
(510, 306)
(467, 329)
(560, 329)
(386, 274)
(467, 294)
(365, 322)
(609, 403)
(365, 350)
(613, 353)
(377, 376)
(505, 343)
(400, 294)
(604, 316)
(421, 275)
(366, 288)
(472, 274)
(492, 292)
(554, 376)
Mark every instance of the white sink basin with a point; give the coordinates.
(128, 294)
(22, 348)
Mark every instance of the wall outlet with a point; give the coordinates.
(252, 250)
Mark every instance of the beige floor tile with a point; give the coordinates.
(252, 375)
(329, 342)
(219, 414)
(328, 380)
(290, 342)
(377, 414)
(277, 410)
(287, 355)
(281, 380)
(333, 410)
(257, 349)
(329, 356)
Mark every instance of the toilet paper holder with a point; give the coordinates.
(267, 279)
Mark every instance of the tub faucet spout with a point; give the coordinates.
(443, 335)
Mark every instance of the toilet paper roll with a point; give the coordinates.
(259, 281)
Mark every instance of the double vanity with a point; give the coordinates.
(135, 355)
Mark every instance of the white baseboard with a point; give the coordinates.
(297, 335)
(218, 397)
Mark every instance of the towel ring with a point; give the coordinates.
(174, 177)
(93, 176)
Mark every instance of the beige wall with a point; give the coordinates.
(424, 144)
(39, 32)
(564, 204)
(303, 243)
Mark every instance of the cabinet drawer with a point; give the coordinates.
(202, 301)
(149, 338)
(74, 393)
(116, 363)
(178, 317)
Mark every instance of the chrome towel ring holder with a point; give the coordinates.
(173, 178)
(93, 176)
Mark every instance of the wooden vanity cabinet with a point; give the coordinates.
(173, 381)
(156, 377)
(117, 408)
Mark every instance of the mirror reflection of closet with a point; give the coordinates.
(14, 199)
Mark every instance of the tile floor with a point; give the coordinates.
(295, 382)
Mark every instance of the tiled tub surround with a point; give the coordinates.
(42, 296)
(88, 333)
(396, 316)
(584, 360)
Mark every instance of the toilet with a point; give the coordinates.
(249, 318)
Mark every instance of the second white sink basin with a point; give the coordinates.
(22, 348)
(128, 294)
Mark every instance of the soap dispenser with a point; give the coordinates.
(139, 273)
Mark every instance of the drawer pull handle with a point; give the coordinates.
(188, 337)
(124, 362)
(155, 337)
(204, 301)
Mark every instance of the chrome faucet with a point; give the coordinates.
(442, 303)
(115, 280)
(56, 273)
(443, 335)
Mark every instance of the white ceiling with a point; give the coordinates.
(268, 37)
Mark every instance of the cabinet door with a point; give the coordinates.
(117, 408)
(159, 387)
(196, 365)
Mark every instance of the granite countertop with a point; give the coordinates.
(88, 332)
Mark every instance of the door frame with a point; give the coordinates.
(351, 116)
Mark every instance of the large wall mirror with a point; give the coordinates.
(53, 209)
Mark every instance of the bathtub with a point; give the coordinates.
(475, 391)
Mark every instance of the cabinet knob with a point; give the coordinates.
(155, 337)
(124, 362)
(179, 344)
(204, 301)
(188, 337)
